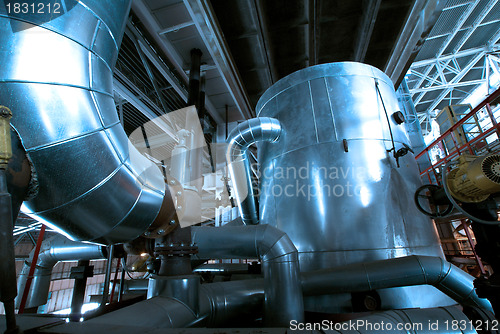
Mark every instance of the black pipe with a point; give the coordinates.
(201, 103)
(80, 274)
(194, 79)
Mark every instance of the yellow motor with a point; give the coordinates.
(475, 178)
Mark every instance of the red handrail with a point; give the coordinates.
(32, 270)
(486, 101)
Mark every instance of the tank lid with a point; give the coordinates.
(320, 71)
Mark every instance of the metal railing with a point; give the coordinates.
(473, 145)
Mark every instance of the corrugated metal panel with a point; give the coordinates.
(430, 48)
(452, 3)
(448, 20)
(475, 13)
(454, 42)
(494, 14)
(481, 35)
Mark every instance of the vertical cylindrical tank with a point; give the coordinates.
(332, 182)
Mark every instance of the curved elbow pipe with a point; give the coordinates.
(239, 140)
(221, 304)
(52, 251)
(280, 264)
(57, 77)
(397, 272)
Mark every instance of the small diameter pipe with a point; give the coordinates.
(107, 278)
(239, 140)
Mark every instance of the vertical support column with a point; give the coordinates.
(107, 278)
(194, 79)
(122, 279)
(80, 274)
(8, 289)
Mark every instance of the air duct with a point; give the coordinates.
(279, 264)
(240, 139)
(397, 272)
(56, 77)
(220, 304)
(53, 250)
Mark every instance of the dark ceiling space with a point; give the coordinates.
(271, 39)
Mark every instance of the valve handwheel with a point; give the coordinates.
(426, 192)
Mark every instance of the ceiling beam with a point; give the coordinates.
(313, 27)
(422, 17)
(125, 93)
(205, 21)
(458, 26)
(365, 29)
(460, 54)
(456, 79)
(166, 72)
(147, 19)
(263, 38)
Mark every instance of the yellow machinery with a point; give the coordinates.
(474, 179)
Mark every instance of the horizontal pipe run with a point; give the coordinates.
(53, 250)
(220, 304)
(280, 264)
(397, 272)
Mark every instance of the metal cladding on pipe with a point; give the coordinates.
(403, 271)
(415, 321)
(240, 139)
(57, 76)
(220, 304)
(53, 250)
(279, 264)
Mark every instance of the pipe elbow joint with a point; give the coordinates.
(239, 140)
(276, 246)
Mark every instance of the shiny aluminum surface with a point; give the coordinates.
(55, 249)
(239, 140)
(343, 207)
(56, 77)
(280, 267)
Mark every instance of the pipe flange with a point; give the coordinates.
(176, 250)
(171, 212)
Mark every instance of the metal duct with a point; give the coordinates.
(397, 272)
(279, 264)
(53, 250)
(415, 321)
(56, 76)
(240, 139)
(220, 304)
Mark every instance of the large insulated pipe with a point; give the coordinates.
(220, 304)
(442, 320)
(279, 258)
(52, 251)
(57, 77)
(240, 139)
(397, 272)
